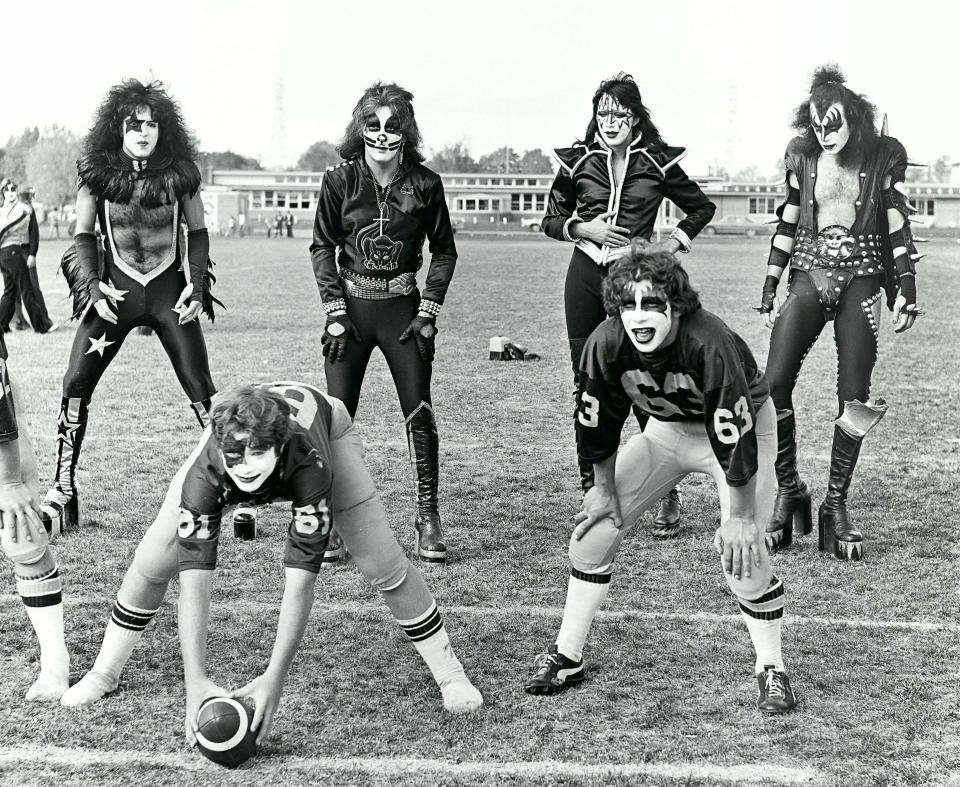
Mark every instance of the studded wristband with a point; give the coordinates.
(430, 307)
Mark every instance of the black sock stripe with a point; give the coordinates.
(134, 613)
(130, 620)
(424, 628)
(773, 614)
(426, 633)
(596, 579)
(48, 600)
(770, 595)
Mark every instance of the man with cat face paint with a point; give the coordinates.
(279, 441)
(844, 233)
(374, 212)
(709, 412)
(138, 182)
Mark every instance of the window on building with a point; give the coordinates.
(531, 182)
(281, 199)
(256, 199)
(470, 204)
(762, 206)
(268, 199)
(471, 181)
(528, 201)
(541, 201)
(483, 204)
(514, 202)
(925, 207)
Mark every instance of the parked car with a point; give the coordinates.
(739, 225)
(532, 224)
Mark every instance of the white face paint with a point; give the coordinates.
(832, 130)
(140, 134)
(614, 122)
(249, 468)
(382, 136)
(648, 318)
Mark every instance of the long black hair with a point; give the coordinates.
(622, 88)
(400, 102)
(106, 135)
(827, 87)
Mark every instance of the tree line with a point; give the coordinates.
(46, 161)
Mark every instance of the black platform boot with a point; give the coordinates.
(835, 529)
(60, 509)
(424, 443)
(792, 509)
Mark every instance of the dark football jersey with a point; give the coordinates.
(303, 475)
(707, 374)
(8, 416)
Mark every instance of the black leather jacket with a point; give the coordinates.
(381, 245)
(583, 190)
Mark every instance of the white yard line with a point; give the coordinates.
(76, 758)
(379, 610)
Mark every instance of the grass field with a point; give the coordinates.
(872, 648)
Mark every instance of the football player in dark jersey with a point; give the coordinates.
(710, 413)
(25, 542)
(373, 215)
(282, 441)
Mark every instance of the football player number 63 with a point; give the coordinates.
(725, 425)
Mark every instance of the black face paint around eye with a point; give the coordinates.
(653, 304)
(133, 123)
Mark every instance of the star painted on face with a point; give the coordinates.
(99, 345)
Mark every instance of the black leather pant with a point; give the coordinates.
(802, 318)
(97, 342)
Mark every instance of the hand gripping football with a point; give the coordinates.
(224, 735)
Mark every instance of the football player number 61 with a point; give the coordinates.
(725, 426)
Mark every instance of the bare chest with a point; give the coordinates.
(836, 190)
(144, 238)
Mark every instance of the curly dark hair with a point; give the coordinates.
(383, 95)
(122, 101)
(827, 87)
(254, 410)
(625, 91)
(661, 268)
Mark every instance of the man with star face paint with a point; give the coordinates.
(374, 212)
(279, 441)
(139, 184)
(709, 412)
(608, 190)
(844, 233)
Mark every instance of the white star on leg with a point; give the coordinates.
(99, 345)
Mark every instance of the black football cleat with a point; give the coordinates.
(666, 522)
(774, 694)
(554, 673)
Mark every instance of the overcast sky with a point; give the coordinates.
(720, 77)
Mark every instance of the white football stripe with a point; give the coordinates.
(54, 756)
(237, 736)
(352, 608)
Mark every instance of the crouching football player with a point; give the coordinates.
(25, 542)
(710, 412)
(282, 441)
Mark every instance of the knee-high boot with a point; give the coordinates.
(836, 531)
(791, 509)
(424, 444)
(60, 509)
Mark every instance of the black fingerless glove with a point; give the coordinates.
(769, 296)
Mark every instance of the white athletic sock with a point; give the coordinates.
(763, 617)
(429, 637)
(585, 594)
(124, 630)
(43, 599)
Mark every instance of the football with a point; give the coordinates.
(224, 735)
